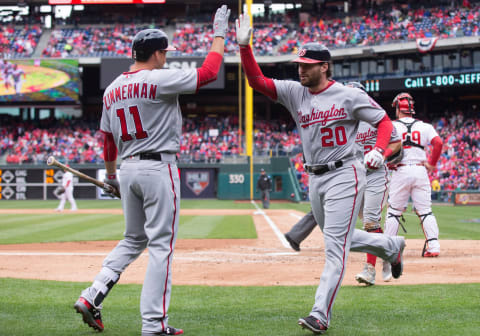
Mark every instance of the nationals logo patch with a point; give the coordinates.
(197, 181)
(302, 52)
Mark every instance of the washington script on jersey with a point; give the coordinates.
(128, 92)
(363, 137)
(316, 116)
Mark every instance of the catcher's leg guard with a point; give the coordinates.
(430, 230)
(393, 222)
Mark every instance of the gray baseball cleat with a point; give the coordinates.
(367, 276)
(386, 271)
(397, 265)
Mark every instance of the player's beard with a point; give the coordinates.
(312, 79)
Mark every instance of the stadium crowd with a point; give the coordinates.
(18, 41)
(211, 140)
(459, 163)
(272, 35)
(107, 41)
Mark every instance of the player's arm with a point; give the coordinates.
(207, 73)
(255, 77)
(437, 144)
(392, 148)
(110, 153)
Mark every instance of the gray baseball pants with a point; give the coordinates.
(336, 197)
(151, 204)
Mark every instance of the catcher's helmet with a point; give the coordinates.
(357, 85)
(147, 41)
(404, 103)
(313, 53)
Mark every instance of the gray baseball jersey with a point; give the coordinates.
(142, 111)
(377, 180)
(328, 122)
(337, 110)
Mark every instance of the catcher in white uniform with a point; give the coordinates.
(327, 115)
(141, 118)
(410, 176)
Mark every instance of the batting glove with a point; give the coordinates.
(112, 186)
(220, 22)
(373, 159)
(244, 31)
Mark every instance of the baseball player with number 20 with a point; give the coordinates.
(327, 115)
(142, 119)
(410, 177)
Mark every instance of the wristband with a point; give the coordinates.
(111, 176)
(380, 150)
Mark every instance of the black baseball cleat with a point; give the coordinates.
(397, 266)
(292, 243)
(313, 324)
(168, 331)
(90, 314)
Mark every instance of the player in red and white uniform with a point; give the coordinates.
(67, 184)
(141, 118)
(410, 176)
(18, 77)
(327, 115)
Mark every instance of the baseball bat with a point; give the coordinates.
(51, 161)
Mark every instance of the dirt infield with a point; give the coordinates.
(247, 262)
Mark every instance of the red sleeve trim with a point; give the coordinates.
(255, 77)
(109, 147)
(388, 152)
(436, 151)
(207, 73)
(384, 132)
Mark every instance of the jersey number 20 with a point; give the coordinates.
(333, 136)
(140, 133)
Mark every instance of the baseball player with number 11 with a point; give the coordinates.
(327, 115)
(142, 119)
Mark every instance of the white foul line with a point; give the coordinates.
(275, 229)
(295, 215)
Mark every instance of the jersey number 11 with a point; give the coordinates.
(140, 133)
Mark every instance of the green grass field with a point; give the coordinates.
(461, 222)
(34, 307)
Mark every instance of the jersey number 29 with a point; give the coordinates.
(140, 133)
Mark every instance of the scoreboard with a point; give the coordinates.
(423, 82)
(38, 183)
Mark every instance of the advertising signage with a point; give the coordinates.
(423, 82)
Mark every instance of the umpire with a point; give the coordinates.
(264, 184)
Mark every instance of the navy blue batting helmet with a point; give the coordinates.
(147, 41)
